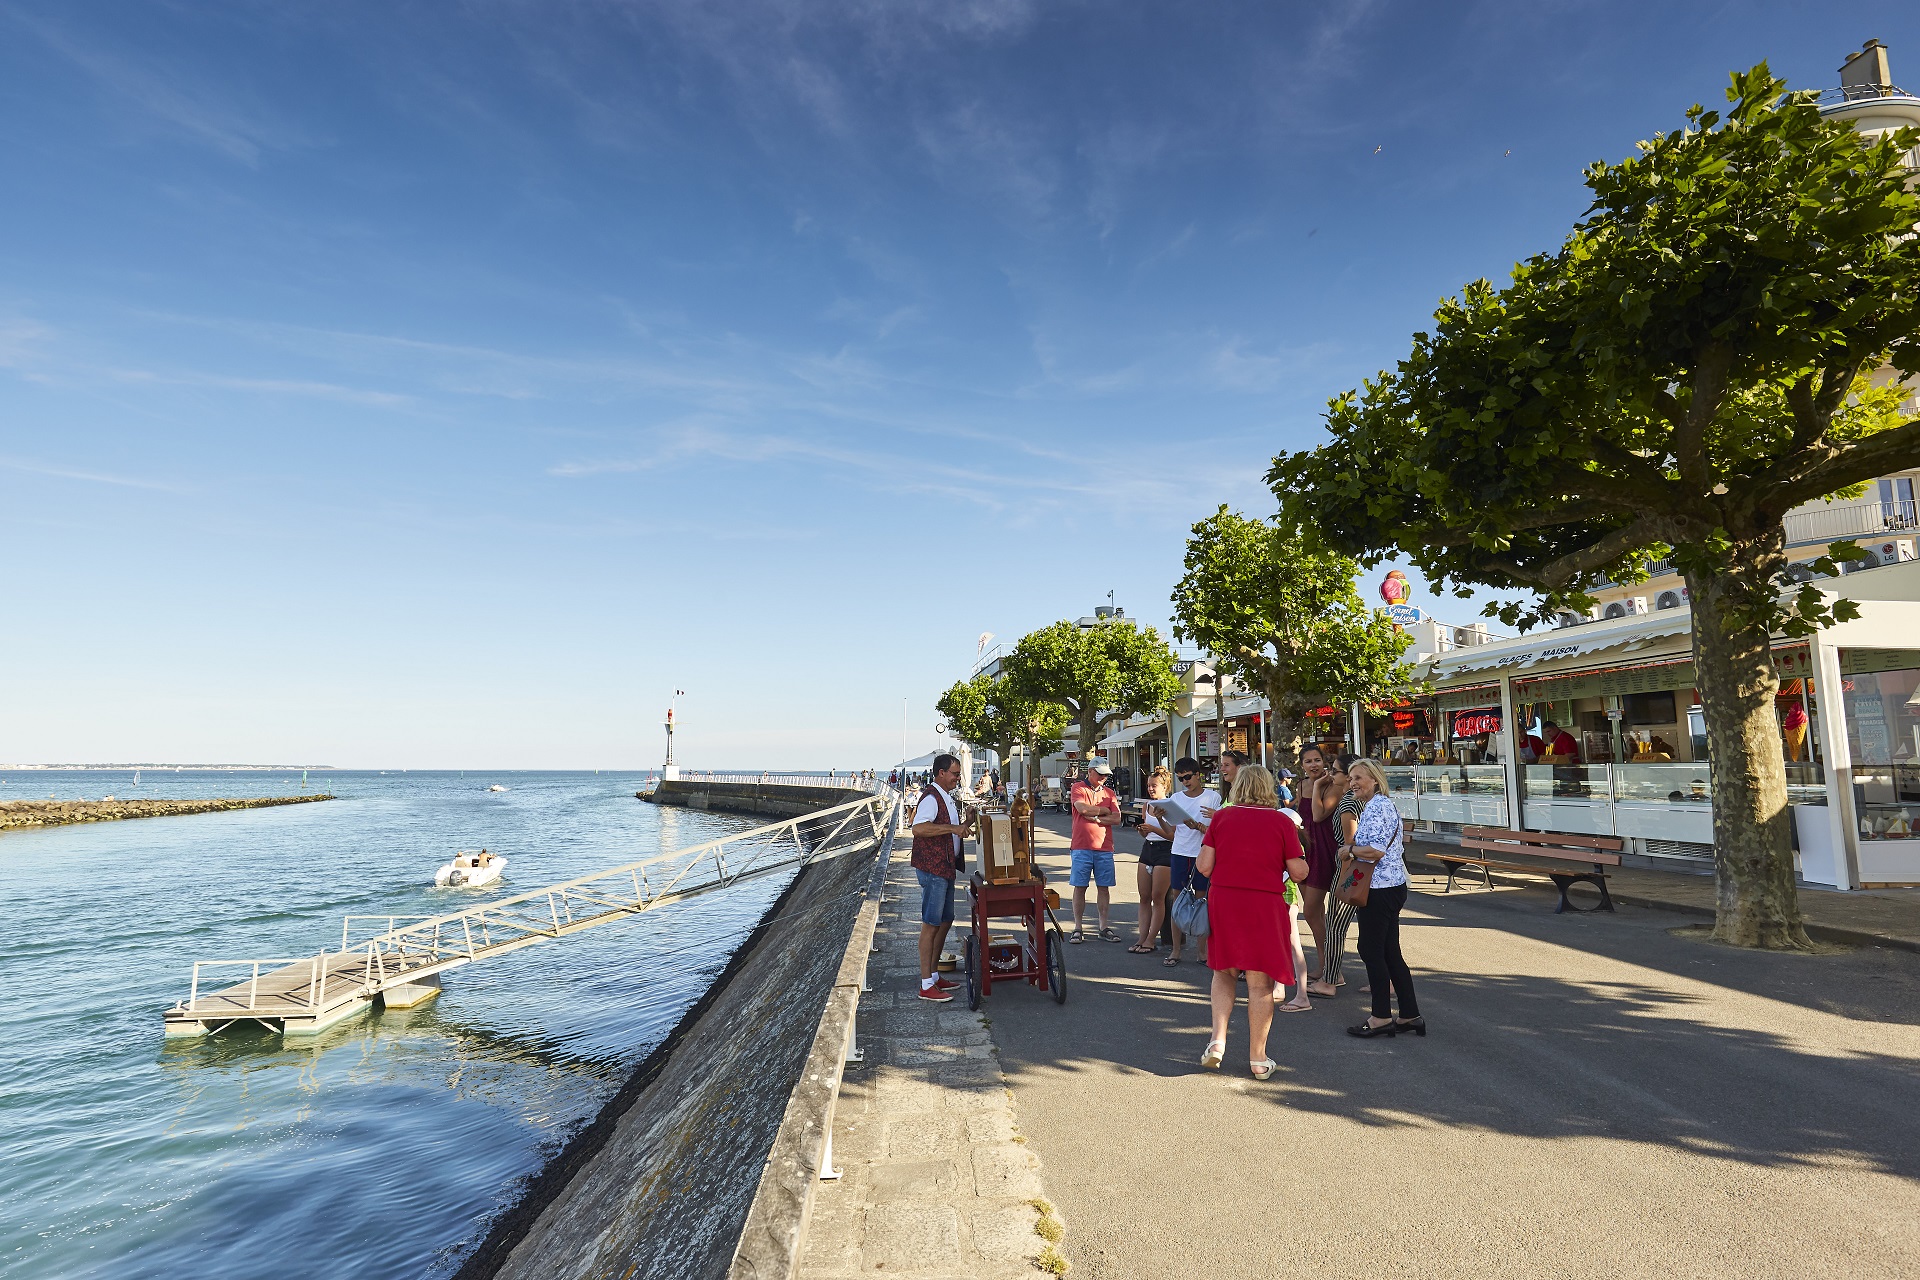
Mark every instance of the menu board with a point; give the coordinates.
(1867, 725)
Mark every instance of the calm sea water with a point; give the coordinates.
(381, 1148)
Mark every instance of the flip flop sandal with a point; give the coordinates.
(1171, 961)
(1290, 1007)
(1139, 950)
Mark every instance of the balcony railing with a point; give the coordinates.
(1852, 519)
(1859, 93)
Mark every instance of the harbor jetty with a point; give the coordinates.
(17, 814)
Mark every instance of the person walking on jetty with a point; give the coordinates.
(1155, 874)
(1251, 851)
(1096, 812)
(1187, 837)
(937, 832)
(1378, 839)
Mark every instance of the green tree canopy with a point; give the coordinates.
(1287, 618)
(1683, 371)
(1114, 667)
(990, 712)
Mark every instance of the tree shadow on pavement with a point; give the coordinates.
(1535, 1054)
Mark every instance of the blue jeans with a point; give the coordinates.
(936, 898)
(1091, 864)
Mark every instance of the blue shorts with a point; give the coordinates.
(1183, 872)
(1091, 864)
(936, 898)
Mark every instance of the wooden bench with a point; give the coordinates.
(1597, 852)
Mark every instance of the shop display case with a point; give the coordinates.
(1569, 797)
(1664, 801)
(1403, 790)
(1469, 794)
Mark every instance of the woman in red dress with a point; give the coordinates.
(1250, 850)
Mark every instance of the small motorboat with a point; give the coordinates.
(470, 869)
(496, 787)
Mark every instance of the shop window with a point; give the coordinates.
(1883, 724)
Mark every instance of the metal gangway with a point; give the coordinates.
(401, 964)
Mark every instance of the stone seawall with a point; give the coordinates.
(15, 814)
(659, 1184)
(766, 799)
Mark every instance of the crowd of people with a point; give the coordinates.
(1263, 859)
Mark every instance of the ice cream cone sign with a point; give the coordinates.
(1394, 588)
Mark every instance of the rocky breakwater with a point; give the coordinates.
(15, 814)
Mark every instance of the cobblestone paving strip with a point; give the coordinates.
(936, 1179)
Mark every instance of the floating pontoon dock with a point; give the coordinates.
(402, 964)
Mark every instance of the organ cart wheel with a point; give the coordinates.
(971, 955)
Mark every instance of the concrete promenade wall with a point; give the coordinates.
(767, 799)
(661, 1182)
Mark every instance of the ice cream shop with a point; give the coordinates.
(1597, 728)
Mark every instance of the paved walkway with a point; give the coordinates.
(938, 1181)
(1600, 1096)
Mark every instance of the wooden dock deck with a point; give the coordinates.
(400, 965)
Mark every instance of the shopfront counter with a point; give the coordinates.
(1467, 794)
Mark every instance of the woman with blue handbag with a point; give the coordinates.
(1251, 851)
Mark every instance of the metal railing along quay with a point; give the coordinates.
(851, 781)
(402, 961)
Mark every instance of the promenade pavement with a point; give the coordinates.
(1600, 1096)
(937, 1180)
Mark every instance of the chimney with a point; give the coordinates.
(1865, 74)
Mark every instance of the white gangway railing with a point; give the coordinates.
(309, 991)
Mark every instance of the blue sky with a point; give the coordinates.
(443, 385)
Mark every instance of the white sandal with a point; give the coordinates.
(1263, 1069)
(1215, 1052)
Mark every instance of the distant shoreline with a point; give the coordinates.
(166, 768)
(18, 815)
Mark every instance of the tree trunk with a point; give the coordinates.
(1758, 904)
(1283, 731)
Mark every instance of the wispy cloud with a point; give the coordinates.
(269, 386)
(85, 476)
(166, 95)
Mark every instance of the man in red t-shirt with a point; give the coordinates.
(1560, 744)
(1096, 812)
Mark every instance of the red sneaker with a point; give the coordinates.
(944, 985)
(936, 993)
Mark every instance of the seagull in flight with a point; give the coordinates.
(1376, 151)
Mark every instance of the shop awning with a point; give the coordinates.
(1127, 736)
(1565, 644)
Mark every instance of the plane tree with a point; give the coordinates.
(1286, 617)
(1112, 668)
(990, 712)
(1700, 356)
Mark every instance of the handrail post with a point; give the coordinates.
(253, 992)
(193, 993)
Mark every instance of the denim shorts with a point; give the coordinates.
(1091, 864)
(1184, 871)
(936, 898)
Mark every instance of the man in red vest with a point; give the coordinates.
(937, 832)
